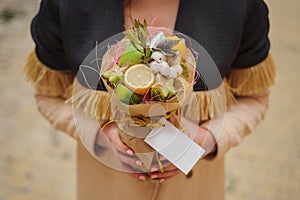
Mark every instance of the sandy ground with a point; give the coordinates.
(37, 162)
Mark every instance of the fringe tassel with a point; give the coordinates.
(205, 105)
(230, 98)
(93, 103)
(69, 92)
(52, 82)
(253, 80)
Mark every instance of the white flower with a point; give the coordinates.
(158, 56)
(178, 69)
(154, 66)
(172, 72)
(164, 68)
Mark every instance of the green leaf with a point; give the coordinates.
(138, 37)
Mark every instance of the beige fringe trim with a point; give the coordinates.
(93, 103)
(253, 80)
(52, 82)
(205, 105)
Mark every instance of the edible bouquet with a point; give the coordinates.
(150, 74)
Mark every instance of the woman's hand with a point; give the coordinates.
(111, 131)
(200, 135)
(124, 153)
(169, 171)
(129, 160)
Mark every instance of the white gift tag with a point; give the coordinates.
(175, 146)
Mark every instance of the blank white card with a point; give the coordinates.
(175, 146)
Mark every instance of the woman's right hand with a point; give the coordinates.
(124, 153)
(111, 131)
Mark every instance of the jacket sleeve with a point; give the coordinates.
(52, 89)
(249, 80)
(50, 74)
(60, 115)
(47, 36)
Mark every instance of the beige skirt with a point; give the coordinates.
(97, 181)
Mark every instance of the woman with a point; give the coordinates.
(234, 33)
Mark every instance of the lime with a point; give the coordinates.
(181, 87)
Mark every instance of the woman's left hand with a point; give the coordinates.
(199, 135)
(169, 171)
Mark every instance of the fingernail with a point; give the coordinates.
(153, 169)
(154, 176)
(161, 180)
(139, 163)
(162, 158)
(129, 152)
(142, 178)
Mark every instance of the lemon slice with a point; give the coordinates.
(182, 89)
(139, 78)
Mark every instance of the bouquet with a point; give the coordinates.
(149, 74)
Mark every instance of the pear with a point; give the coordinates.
(113, 75)
(163, 89)
(160, 93)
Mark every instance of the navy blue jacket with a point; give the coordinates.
(233, 32)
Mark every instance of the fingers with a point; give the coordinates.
(133, 161)
(124, 153)
(169, 171)
(162, 158)
(130, 162)
(111, 131)
(134, 174)
(166, 163)
(165, 175)
(156, 175)
(165, 179)
(120, 146)
(167, 166)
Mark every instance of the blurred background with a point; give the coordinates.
(37, 162)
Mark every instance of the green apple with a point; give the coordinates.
(127, 96)
(131, 56)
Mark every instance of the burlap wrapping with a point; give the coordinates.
(136, 121)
